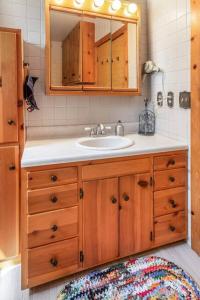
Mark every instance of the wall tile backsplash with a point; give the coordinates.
(64, 110)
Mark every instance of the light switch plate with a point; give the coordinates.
(185, 100)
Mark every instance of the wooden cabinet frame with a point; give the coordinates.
(62, 90)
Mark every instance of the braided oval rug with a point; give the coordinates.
(144, 278)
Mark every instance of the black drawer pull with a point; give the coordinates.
(173, 203)
(171, 162)
(143, 183)
(172, 228)
(54, 178)
(54, 262)
(12, 167)
(54, 199)
(125, 197)
(11, 122)
(54, 228)
(172, 179)
(114, 200)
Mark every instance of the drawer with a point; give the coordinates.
(42, 179)
(170, 228)
(178, 160)
(170, 179)
(53, 226)
(121, 168)
(52, 198)
(53, 260)
(169, 201)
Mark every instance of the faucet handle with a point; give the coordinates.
(90, 130)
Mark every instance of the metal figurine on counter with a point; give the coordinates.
(147, 121)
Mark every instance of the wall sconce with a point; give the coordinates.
(116, 5)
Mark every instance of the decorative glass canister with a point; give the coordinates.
(147, 121)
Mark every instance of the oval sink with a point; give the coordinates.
(105, 143)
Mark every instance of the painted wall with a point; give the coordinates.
(71, 110)
(169, 47)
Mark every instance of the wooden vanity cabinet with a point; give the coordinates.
(78, 216)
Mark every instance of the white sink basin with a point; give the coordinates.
(105, 143)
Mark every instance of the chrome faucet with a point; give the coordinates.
(98, 131)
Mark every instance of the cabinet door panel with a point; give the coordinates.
(100, 221)
(9, 202)
(8, 88)
(136, 214)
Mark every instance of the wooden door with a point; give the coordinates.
(136, 214)
(100, 221)
(8, 87)
(9, 202)
(120, 59)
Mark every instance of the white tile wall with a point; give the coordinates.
(169, 47)
(71, 110)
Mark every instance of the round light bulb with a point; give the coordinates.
(80, 2)
(116, 4)
(98, 3)
(132, 8)
(59, 1)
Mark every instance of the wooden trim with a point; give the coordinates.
(195, 125)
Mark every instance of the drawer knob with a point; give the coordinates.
(171, 162)
(54, 262)
(171, 178)
(143, 183)
(11, 122)
(172, 228)
(125, 197)
(173, 203)
(114, 200)
(54, 178)
(12, 167)
(54, 199)
(54, 228)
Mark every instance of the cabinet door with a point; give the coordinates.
(8, 87)
(136, 214)
(9, 201)
(100, 221)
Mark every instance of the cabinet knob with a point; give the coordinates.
(11, 122)
(143, 183)
(54, 228)
(172, 228)
(171, 178)
(54, 178)
(114, 200)
(54, 262)
(12, 167)
(54, 199)
(125, 197)
(171, 162)
(173, 203)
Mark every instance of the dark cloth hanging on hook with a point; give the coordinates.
(29, 93)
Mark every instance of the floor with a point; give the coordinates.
(180, 253)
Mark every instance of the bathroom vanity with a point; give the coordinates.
(83, 208)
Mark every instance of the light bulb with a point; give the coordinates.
(59, 1)
(116, 4)
(98, 3)
(79, 2)
(132, 8)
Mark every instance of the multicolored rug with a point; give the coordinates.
(143, 278)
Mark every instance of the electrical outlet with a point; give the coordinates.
(170, 99)
(160, 99)
(185, 99)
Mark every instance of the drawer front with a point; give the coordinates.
(169, 179)
(53, 226)
(170, 228)
(169, 201)
(107, 170)
(54, 259)
(42, 179)
(52, 198)
(174, 161)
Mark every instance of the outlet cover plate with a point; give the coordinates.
(185, 100)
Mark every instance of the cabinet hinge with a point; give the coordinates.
(151, 236)
(81, 193)
(81, 256)
(151, 181)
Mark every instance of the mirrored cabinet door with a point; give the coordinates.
(124, 56)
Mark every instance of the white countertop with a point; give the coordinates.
(54, 151)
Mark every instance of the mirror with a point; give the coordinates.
(92, 53)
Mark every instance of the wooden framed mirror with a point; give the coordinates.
(90, 53)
